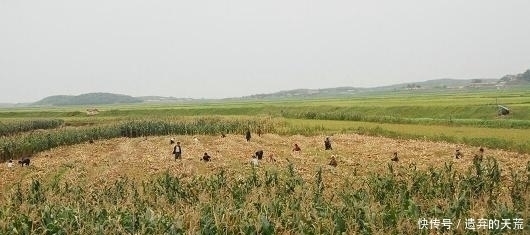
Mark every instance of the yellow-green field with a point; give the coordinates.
(519, 136)
(127, 182)
(128, 177)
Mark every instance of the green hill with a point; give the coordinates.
(87, 99)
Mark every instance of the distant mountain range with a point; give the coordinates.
(438, 84)
(87, 99)
(508, 81)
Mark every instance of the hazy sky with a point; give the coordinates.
(217, 48)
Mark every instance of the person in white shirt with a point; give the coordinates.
(254, 161)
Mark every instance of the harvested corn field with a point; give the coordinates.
(141, 157)
(134, 185)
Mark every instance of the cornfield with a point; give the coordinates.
(23, 145)
(267, 201)
(134, 186)
(15, 127)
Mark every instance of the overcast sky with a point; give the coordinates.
(217, 48)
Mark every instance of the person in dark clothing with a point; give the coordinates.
(259, 154)
(296, 148)
(259, 131)
(395, 158)
(333, 162)
(206, 157)
(327, 144)
(247, 135)
(24, 162)
(177, 150)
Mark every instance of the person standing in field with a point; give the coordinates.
(177, 150)
(327, 144)
(247, 135)
(259, 131)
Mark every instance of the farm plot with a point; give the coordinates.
(133, 185)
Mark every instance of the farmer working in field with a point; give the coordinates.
(259, 154)
(395, 158)
(24, 162)
(333, 162)
(296, 148)
(206, 157)
(458, 154)
(247, 135)
(480, 155)
(177, 150)
(327, 144)
(254, 161)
